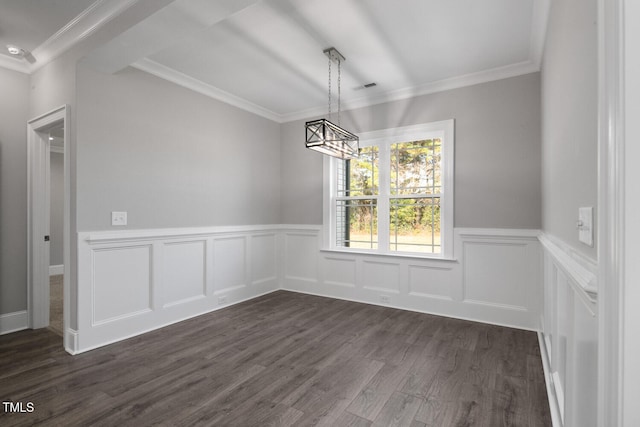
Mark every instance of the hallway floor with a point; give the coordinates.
(55, 303)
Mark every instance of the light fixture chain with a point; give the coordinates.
(329, 87)
(339, 85)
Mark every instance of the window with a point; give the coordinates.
(397, 197)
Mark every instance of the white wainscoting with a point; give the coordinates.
(493, 278)
(134, 281)
(569, 339)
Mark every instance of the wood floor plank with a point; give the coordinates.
(420, 377)
(342, 380)
(347, 419)
(537, 412)
(284, 359)
(399, 410)
(223, 407)
(286, 416)
(326, 398)
(368, 403)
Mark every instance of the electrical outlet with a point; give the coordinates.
(222, 300)
(385, 299)
(118, 218)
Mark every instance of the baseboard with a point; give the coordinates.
(71, 341)
(415, 310)
(556, 418)
(13, 322)
(55, 270)
(75, 344)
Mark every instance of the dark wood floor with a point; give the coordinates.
(284, 359)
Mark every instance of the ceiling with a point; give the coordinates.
(29, 23)
(266, 55)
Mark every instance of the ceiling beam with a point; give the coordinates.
(163, 29)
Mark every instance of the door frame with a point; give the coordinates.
(38, 208)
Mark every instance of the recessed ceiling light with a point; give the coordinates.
(50, 138)
(15, 50)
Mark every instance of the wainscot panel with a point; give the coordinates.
(264, 258)
(569, 338)
(134, 281)
(493, 278)
(121, 285)
(184, 272)
(230, 263)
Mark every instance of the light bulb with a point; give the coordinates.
(15, 50)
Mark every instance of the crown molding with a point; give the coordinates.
(540, 18)
(181, 79)
(471, 79)
(196, 85)
(14, 64)
(79, 28)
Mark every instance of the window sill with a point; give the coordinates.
(391, 255)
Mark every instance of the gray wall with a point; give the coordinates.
(25, 97)
(569, 119)
(174, 158)
(14, 113)
(54, 85)
(170, 157)
(56, 222)
(497, 155)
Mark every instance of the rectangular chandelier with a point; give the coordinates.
(330, 139)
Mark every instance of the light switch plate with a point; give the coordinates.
(585, 225)
(118, 218)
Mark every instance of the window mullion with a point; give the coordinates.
(383, 200)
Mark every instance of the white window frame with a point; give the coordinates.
(385, 138)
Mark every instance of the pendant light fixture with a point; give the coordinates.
(325, 136)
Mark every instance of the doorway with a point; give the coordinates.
(56, 227)
(47, 138)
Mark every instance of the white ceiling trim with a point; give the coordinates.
(539, 30)
(499, 73)
(536, 48)
(176, 21)
(78, 29)
(102, 11)
(181, 79)
(14, 64)
(196, 85)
